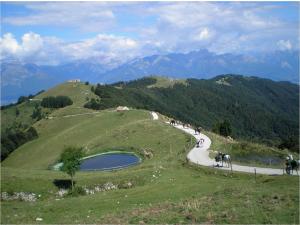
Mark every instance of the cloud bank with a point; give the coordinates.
(120, 32)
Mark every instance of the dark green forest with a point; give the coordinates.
(56, 102)
(13, 138)
(258, 110)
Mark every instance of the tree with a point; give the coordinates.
(71, 161)
(223, 128)
(86, 83)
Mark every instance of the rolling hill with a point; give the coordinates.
(259, 110)
(165, 188)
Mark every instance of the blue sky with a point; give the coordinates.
(112, 33)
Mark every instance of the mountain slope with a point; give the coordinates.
(258, 109)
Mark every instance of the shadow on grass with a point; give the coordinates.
(63, 183)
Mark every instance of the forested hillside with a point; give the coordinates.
(258, 110)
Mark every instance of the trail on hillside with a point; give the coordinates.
(200, 155)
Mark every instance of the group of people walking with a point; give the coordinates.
(221, 158)
(291, 164)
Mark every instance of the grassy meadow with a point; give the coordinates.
(166, 189)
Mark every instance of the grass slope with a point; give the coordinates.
(107, 129)
(78, 92)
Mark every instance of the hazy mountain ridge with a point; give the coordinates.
(279, 65)
(23, 79)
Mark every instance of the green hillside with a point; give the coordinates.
(165, 188)
(259, 110)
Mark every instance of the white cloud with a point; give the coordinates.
(284, 45)
(105, 49)
(157, 28)
(85, 16)
(30, 44)
(8, 44)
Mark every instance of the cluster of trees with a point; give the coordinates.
(223, 128)
(255, 109)
(93, 104)
(56, 102)
(12, 138)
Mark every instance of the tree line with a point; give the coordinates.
(56, 102)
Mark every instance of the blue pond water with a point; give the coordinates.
(109, 161)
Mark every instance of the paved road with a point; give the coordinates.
(201, 156)
(154, 115)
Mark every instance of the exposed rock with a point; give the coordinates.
(22, 196)
(62, 192)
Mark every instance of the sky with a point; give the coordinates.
(112, 33)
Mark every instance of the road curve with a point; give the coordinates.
(201, 157)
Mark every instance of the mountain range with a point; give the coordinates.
(23, 79)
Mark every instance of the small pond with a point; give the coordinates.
(109, 161)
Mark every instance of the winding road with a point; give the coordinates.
(200, 155)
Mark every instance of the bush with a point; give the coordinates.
(86, 83)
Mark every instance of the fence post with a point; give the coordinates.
(255, 174)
